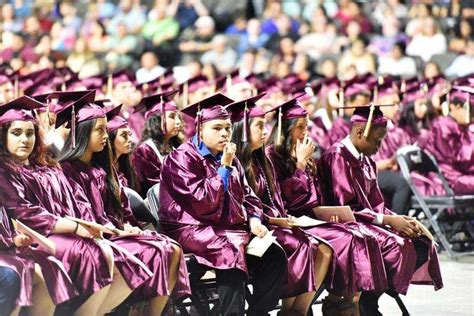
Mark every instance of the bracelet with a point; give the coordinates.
(77, 226)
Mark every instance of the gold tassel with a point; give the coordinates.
(110, 86)
(185, 95)
(369, 121)
(279, 127)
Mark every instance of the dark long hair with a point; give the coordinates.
(101, 159)
(283, 151)
(250, 158)
(40, 156)
(153, 130)
(124, 165)
(409, 119)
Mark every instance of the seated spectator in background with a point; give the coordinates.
(15, 48)
(399, 10)
(418, 14)
(159, 27)
(397, 63)
(283, 24)
(328, 68)
(9, 22)
(186, 12)
(343, 15)
(353, 32)
(463, 64)
(273, 11)
(320, 40)
(63, 38)
(194, 42)
(462, 33)
(130, 15)
(354, 11)
(382, 45)
(254, 38)
(239, 27)
(224, 58)
(150, 68)
(106, 9)
(98, 40)
(121, 50)
(83, 61)
(359, 57)
(431, 70)
(32, 31)
(69, 16)
(429, 42)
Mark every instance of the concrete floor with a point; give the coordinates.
(455, 299)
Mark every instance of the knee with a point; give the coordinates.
(325, 252)
(9, 283)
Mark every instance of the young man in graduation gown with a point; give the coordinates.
(450, 141)
(208, 207)
(348, 176)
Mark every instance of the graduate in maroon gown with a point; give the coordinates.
(391, 182)
(348, 176)
(356, 94)
(159, 137)
(450, 142)
(359, 262)
(32, 288)
(36, 192)
(208, 207)
(87, 163)
(309, 258)
(120, 137)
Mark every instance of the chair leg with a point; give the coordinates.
(401, 305)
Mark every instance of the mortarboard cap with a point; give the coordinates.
(370, 115)
(245, 110)
(208, 109)
(20, 109)
(158, 103)
(114, 120)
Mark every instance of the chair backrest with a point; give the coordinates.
(153, 197)
(414, 159)
(139, 208)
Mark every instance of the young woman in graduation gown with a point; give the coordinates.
(359, 262)
(36, 192)
(89, 165)
(309, 257)
(208, 207)
(160, 136)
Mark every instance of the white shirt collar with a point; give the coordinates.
(350, 146)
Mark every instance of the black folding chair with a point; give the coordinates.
(446, 214)
(139, 207)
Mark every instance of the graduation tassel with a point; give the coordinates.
(228, 83)
(185, 94)
(110, 86)
(246, 124)
(46, 119)
(198, 128)
(73, 127)
(163, 116)
(369, 121)
(63, 86)
(16, 88)
(279, 127)
(341, 101)
(467, 109)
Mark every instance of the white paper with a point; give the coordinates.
(258, 246)
(306, 221)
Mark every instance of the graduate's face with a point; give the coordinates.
(123, 141)
(21, 139)
(258, 132)
(299, 130)
(173, 124)
(461, 115)
(216, 134)
(98, 137)
(370, 145)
